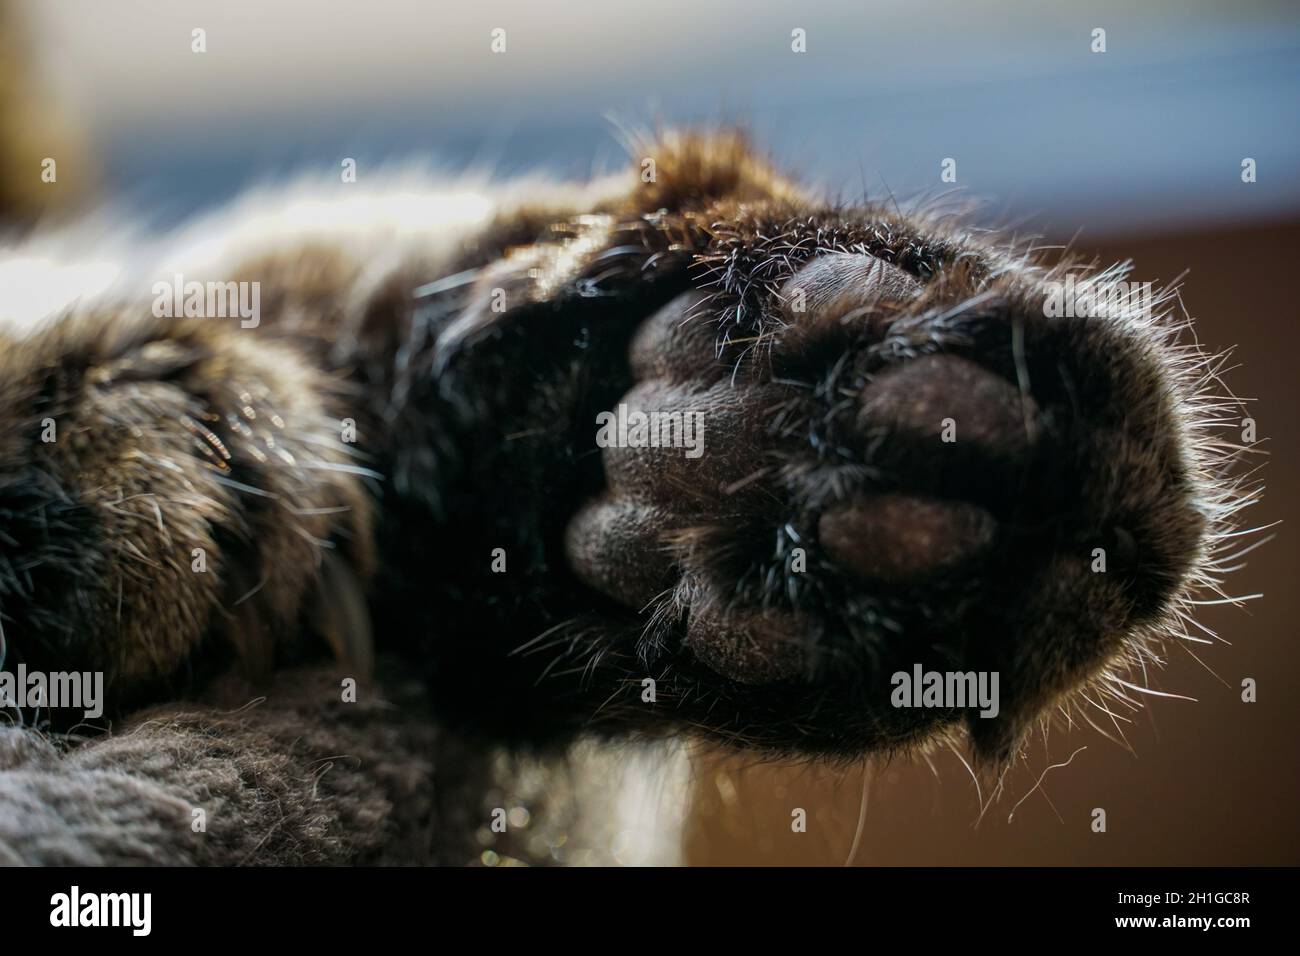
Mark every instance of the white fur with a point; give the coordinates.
(387, 215)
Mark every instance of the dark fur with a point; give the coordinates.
(477, 432)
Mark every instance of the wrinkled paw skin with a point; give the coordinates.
(903, 461)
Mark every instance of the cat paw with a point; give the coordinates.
(864, 468)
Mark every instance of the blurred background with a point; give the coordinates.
(1132, 153)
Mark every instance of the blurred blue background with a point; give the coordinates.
(1148, 135)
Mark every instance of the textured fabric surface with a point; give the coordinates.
(298, 776)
